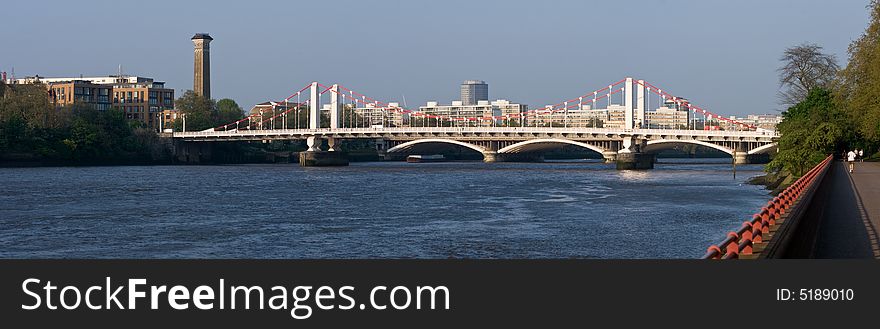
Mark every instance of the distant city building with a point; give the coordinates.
(71, 92)
(766, 121)
(466, 115)
(372, 115)
(202, 64)
(762, 121)
(143, 100)
(586, 117)
(674, 114)
(140, 98)
(512, 110)
(460, 114)
(667, 118)
(267, 110)
(273, 107)
(473, 91)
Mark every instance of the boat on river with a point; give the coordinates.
(425, 158)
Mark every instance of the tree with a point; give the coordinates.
(33, 128)
(29, 102)
(200, 112)
(227, 111)
(859, 87)
(810, 130)
(804, 68)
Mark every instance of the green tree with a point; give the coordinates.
(29, 102)
(200, 112)
(810, 130)
(33, 128)
(227, 111)
(859, 87)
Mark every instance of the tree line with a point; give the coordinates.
(830, 109)
(32, 129)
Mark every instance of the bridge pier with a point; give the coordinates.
(632, 155)
(745, 158)
(635, 160)
(741, 158)
(322, 159)
(610, 156)
(192, 152)
(331, 144)
(314, 143)
(315, 157)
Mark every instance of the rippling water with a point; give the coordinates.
(374, 210)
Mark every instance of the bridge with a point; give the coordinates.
(520, 136)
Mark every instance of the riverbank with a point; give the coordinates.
(775, 182)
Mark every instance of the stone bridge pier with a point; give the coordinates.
(633, 154)
(192, 152)
(741, 155)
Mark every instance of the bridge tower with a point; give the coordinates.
(631, 154)
(628, 102)
(314, 142)
(335, 108)
(641, 105)
(314, 156)
(335, 115)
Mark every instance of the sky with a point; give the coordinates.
(721, 55)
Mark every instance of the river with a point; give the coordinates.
(579, 209)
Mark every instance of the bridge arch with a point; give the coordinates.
(763, 149)
(662, 144)
(543, 143)
(409, 144)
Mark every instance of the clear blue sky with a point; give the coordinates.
(721, 55)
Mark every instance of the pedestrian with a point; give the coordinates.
(862, 155)
(851, 158)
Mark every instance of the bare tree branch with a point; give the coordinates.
(804, 67)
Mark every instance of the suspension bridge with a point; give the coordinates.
(520, 136)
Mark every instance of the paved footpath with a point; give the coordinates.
(852, 215)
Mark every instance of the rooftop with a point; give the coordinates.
(202, 36)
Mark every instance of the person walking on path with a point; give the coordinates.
(851, 158)
(862, 155)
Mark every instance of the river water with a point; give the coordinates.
(579, 209)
